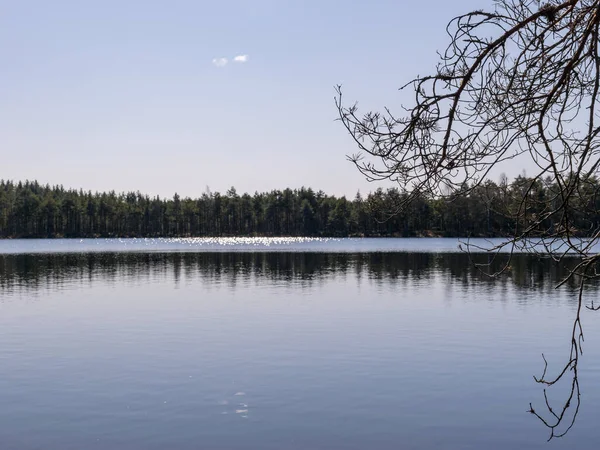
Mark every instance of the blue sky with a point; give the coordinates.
(124, 95)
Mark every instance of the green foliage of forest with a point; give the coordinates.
(31, 210)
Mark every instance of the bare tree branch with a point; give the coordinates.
(519, 81)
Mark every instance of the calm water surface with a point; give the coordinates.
(283, 244)
(282, 350)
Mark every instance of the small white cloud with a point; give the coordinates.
(241, 58)
(220, 62)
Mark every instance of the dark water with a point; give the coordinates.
(300, 350)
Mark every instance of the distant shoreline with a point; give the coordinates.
(417, 236)
(32, 210)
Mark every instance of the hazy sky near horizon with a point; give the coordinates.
(149, 95)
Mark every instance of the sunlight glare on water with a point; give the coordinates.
(255, 244)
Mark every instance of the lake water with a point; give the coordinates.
(243, 244)
(375, 344)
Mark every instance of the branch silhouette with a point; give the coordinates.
(517, 83)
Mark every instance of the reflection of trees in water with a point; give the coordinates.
(33, 272)
(29, 274)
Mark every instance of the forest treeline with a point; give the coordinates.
(29, 209)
